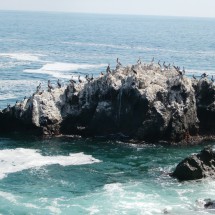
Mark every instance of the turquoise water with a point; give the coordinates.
(86, 176)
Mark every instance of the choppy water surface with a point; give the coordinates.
(84, 176)
(76, 176)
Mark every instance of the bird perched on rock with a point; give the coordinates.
(91, 79)
(139, 61)
(79, 79)
(50, 87)
(58, 83)
(101, 74)
(183, 71)
(159, 64)
(72, 80)
(8, 107)
(204, 75)
(134, 71)
(152, 61)
(108, 69)
(212, 78)
(164, 65)
(38, 88)
(118, 62)
(194, 77)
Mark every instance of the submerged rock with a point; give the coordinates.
(196, 166)
(149, 104)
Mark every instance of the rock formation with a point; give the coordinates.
(142, 101)
(196, 166)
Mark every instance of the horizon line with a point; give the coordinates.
(97, 13)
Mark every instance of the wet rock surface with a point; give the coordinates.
(196, 166)
(141, 101)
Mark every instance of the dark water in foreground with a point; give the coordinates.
(84, 176)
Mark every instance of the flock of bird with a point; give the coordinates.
(163, 67)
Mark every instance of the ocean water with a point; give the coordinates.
(94, 176)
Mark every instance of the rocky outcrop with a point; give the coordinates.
(140, 101)
(196, 166)
(205, 100)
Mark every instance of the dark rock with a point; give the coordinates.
(149, 105)
(209, 204)
(196, 166)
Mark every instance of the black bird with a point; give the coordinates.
(108, 69)
(38, 87)
(176, 68)
(102, 73)
(212, 78)
(183, 70)
(72, 80)
(159, 64)
(134, 71)
(164, 65)
(91, 79)
(79, 79)
(50, 87)
(8, 107)
(204, 75)
(194, 77)
(139, 61)
(25, 97)
(118, 62)
(58, 83)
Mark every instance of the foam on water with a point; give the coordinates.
(56, 69)
(15, 160)
(22, 56)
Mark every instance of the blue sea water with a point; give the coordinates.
(85, 176)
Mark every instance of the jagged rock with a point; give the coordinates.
(205, 99)
(196, 166)
(151, 104)
(209, 204)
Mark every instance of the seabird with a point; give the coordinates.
(118, 62)
(159, 64)
(194, 77)
(101, 73)
(134, 71)
(183, 70)
(153, 60)
(8, 107)
(139, 61)
(50, 87)
(108, 69)
(91, 79)
(79, 79)
(72, 81)
(38, 88)
(164, 65)
(204, 75)
(58, 83)
(212, 78)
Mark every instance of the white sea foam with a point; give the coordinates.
(58, 69)
(15, 160)
(8, 196)
(22, 56)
